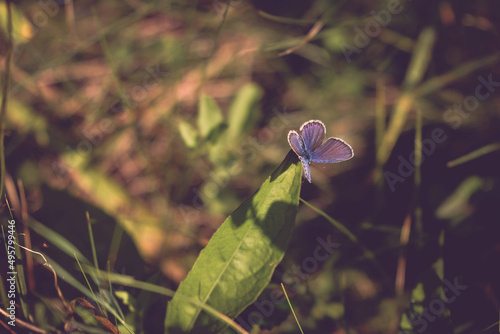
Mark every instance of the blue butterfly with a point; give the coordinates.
(309, 146)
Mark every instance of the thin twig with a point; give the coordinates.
(313, 32)
(401, 266)
(69, 8)
(214, 47)
(47, 264)
(27, 238)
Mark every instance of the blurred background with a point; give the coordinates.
(152, 120)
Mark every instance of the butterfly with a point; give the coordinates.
(309, 146)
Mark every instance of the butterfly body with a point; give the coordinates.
(309, 146)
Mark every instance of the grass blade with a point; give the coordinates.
(416, 70)
(291, 308)
(474, 155)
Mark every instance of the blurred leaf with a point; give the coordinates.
(335, 38)
(22, 31)
(242, 111)
(239, 260)
(126, 299)
(25, 120)
(188, 134)
(218, 152)
(421, 57)
(209, 116)
(397, 40)
(172, 51)
(457, 204)
(111, 197)
(107, 193)
(28, 172)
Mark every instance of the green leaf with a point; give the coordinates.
(242, 110)
(209, 116)
(188, 134)
(239, 260)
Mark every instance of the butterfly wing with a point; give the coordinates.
(332, 150)
(313, 133)
(296, 143)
